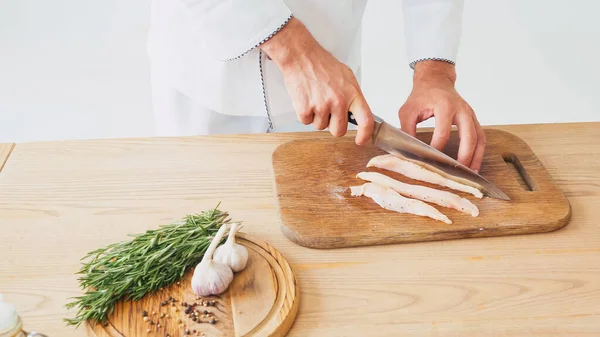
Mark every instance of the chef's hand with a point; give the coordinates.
(434, 94)
(322, 89)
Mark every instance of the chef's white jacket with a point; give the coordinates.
(208, 49)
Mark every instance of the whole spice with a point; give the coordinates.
(150, 261)
(231, 253)
(212, 277)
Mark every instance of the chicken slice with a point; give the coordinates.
(391, 200)
(414, 171)
(442, 198)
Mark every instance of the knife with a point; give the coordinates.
(396, 142)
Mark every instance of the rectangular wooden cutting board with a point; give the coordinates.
(312, 177)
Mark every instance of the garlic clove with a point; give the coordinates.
(231, 253)
(212, 277)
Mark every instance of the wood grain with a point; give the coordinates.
(59, 200)
(317, 211)
(5, 150)
(262, 300)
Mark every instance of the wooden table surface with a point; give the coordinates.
(59, 200)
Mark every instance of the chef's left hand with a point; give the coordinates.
(434, 95)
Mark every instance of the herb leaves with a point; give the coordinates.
(131, 269)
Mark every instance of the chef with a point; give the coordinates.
(250, 66)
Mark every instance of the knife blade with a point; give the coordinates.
(396, 142)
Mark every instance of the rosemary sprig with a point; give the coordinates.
(131, 269)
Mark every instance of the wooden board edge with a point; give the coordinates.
(292, 296)
(333, 243)
(325, 244)
(287, 324)
(312, 242)
(282, 223)
(5, 152)
(563, 221)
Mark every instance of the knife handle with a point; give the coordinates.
(351, 118)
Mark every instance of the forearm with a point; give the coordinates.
(290, 45)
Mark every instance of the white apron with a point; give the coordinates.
(208, 76)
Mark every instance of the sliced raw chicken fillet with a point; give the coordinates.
(414, 171)
(442, 198)
(391, 200)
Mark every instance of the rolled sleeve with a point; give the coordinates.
(433, 29)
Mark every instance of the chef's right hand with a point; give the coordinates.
(322, 89)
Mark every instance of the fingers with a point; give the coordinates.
(306, 116)
(408, 120)
(364, 118)
(338, 123)
(302, 106)
(468, 138)
(321, 118)
(333, 115)
(441, 132)
(480, 147)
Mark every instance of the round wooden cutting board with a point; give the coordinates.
(262, 300)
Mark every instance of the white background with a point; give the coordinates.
(72, 69)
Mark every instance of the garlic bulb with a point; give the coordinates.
(232, 253)
(212, 277)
